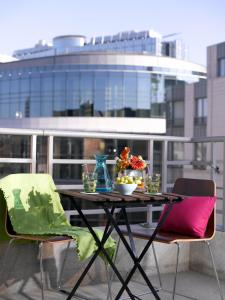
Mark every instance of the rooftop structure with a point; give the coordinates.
(146, 41)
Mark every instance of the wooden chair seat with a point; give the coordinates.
(139, 231)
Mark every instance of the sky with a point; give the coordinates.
(200, 23)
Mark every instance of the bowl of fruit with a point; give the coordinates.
(125, 185)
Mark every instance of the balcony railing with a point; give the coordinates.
(170, 169)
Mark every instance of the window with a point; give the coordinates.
(200, 111)
(221, 67)
(178, 110)
(201, 107)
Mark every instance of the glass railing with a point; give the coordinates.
(62, 153)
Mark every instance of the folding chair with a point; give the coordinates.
(187, 187)
(6, 227)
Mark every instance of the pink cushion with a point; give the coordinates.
(189, 217)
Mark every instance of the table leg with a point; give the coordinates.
(100, 245)
(129, 249)
(134, 258)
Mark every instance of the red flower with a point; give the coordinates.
(128, 161)
(136, 163)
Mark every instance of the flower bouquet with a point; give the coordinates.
(130, 168)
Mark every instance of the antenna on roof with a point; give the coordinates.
(172, 34)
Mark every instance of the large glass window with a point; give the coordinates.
(77, 90)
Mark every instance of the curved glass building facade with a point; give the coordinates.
(91, 84)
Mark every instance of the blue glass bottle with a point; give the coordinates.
(104, 183)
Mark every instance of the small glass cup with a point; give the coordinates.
(89, 182)
(152, 183)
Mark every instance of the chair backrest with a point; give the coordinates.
(198, 187)
(33, 204)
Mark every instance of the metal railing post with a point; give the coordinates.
(212, 160)
(50, 155)
(33, 166)
(164, 165)
(150, 159)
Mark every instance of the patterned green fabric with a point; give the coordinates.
(34, 208)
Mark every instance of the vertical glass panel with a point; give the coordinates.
(46, 107)
(73, 94)
(59, 82)
(35, 108)
(35, 85)
(46, 83)
(4, 110)
(24, 85)
(5, 87)
(101, 88)
(15, 84)
(15, 110)
(157, 88)
(115, 95)
(86, 93)
(143, 94)
(158, 108)
(130, 94)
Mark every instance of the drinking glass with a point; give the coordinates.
(89, 180)
(152, 183)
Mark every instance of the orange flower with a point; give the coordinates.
(128, 161)
(123, 164)
(125, 153)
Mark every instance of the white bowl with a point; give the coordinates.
(125, 188)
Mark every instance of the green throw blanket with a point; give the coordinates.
(34, 208)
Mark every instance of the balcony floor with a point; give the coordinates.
(190, 283)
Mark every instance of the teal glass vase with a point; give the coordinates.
(104, 183)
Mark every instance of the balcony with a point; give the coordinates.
(56, 151)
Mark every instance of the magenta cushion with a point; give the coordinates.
(189, 217)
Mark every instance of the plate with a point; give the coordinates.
(154, 194)
(89, 193)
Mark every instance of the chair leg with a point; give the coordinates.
(63, 265)
(175, 277)
(2, 276)
(157, 267)
(41, 269)
(215, 271)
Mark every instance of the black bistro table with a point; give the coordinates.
(114, 205)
